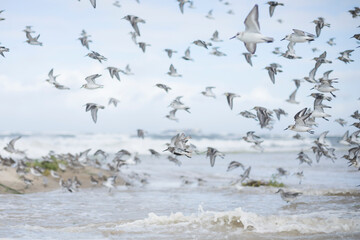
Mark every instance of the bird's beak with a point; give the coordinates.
(286, 128)
(312, 88)
(282, 39)
(233, 37)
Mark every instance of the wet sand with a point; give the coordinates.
(11, 182)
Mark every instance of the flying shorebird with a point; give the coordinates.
(141, 133)
(2, 50)
(341, 121)
(304, 158)
(215, 37)
(213, 153)
(264, 116)
(208, 92)
(321, 59)
(292, 98)
(134, 20)
(216, 52)
(272, 5)
(10, 147)
(93, 107)
(127, 70)
(248, 57)
(230, 98)
(170, 52)
(331, 42)
(114, 72)
(187, 55)
(163, 86)
(171, 115)
(133, 37)
(288, 196)
(182, 3)
(201, 43)
(251, 36)
(91, 84)
(320, 23)
(252, 138)
(33, 40)
(299, 36)
(96, 56)
(300, 122)
(210, 15)
(290, 52)
(233, 165)
(345, 56)
(273, 69)
(280, 112)
(248, 114)
(173, 72)
(143, 45)
(113, 101)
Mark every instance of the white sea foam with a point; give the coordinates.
(247, 221)
(37, 145)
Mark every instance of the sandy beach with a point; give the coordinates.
(11, 182)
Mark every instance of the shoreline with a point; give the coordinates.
(12, 183)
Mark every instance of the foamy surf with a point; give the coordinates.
(248, 222)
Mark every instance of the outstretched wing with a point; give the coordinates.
(252, 21)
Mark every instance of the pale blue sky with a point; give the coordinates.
(29, 104)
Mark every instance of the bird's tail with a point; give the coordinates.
(268, 39)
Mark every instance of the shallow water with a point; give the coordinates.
(213, 208)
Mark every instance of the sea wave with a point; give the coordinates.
(248, 221)
(37, 145)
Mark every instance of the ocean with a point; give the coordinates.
(191, 201)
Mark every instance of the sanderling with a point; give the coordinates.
(170, 52)
(93, 107)
(173, 72)
(187, 55)
(299, 36)
(234, 164)
(215, 37)
(331, 42)
(288, 196)
(10, 147)
(248, 57)
(230, 98)
(213, 153)
(91, 84)
(163, 86)
(143, 45)
(251, 36)
(272, 5)
(114, 72)
(345, 56)
(208, 92)
(113, 101)
(96, 56)
(134, 20)
(300, 122)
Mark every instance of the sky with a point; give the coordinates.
(30, 104)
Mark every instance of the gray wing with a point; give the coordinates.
(251, 47)
(248, 58)
(93, 3)
(299, 32)
(271, 75)
(252, 20)
(271, 10)
(135, 27)
(94, 111)
(12, 142)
